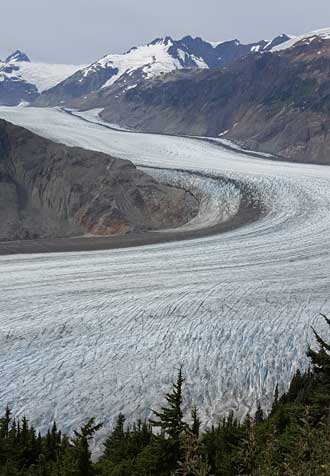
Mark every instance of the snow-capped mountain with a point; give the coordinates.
(23, 80)
(305, 39)
(163, 55)
(57, 84)
(276, 102)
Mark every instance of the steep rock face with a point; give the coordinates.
(50, 190)
(276, 102)
(18, 56)
(13, 89)
(115, 74)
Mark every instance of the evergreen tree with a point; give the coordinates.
(170, 417)
(320, 379)
(293, 440)
(170, 420)
(259, 415)
(321, 358)
(114, 445)
(194, 462)
(276, 398)
(248, 449)
(196, 423)
(4, 423)
(80, 448)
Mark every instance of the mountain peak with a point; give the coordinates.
(123, 72)
(18, 56)
(165, 40)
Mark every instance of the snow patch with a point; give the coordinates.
(153, 59)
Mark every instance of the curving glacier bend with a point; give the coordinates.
(100, 333)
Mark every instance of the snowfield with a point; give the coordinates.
(42, 75)
(99, 333)
(45, 76)
(151, 60)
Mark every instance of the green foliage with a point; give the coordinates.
(196, 423)
(122, 448)
(259, 415)
(170, 418)
(222, 445)
(293, 440)
(80, 453)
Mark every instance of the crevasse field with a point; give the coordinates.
(98, 333)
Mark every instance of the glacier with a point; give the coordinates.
(98, 333)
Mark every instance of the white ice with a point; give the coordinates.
(100, 333)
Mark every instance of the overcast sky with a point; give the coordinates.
(81, 31)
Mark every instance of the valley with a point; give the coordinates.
(98, 333)
(164, 238)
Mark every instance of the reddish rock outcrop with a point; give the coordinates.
(51, 190)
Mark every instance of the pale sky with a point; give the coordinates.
(81, 31)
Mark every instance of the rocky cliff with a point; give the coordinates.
(50, 190)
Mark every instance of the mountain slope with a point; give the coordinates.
(304, 39)
(23, 80)
(51, 190)
(277, 102)
(115, 74)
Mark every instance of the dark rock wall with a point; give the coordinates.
(50, 190)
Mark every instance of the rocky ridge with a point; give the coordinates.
(276, 102)
(113, 75)
(50, 190)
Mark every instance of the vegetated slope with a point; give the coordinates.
(51, 190)
(23, 80)
(90, 87)
(277, 102)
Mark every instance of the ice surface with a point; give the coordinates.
(100, 333)
(219, 200)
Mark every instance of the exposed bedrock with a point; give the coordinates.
(51, 190)
(271, 102)
(220, 198)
